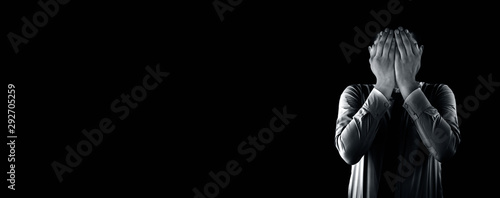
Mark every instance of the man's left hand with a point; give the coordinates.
(407, 61)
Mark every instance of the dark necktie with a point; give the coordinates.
(391, 146)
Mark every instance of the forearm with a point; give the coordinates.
(355, 133)
(439, 133)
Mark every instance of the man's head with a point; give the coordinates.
(395, 60)
(405, 32)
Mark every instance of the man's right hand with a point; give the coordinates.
(382, 55)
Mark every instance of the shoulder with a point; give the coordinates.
(356, 94)
(436, 90)
(359, 88)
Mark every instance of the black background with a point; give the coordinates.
(225, 79)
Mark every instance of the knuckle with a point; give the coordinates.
(379, 59)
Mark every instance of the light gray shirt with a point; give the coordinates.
(430, 135)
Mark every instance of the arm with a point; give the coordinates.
(436, 125)
(357, 125)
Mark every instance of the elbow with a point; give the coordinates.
(450, 151)
(348, 154)
(445, 147)
(445, 154)
(351, 160)
(350, 157)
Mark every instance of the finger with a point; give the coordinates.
(412, 38)
(370, 50)
(392, 50)
(399, 42)
(406, 42)
(414, 44)
(377, 38)
(397, 56)
(381, 42)
(388, 43)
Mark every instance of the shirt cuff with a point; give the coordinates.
(416, 103)
(376, 103)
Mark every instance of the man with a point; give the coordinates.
(396, 133)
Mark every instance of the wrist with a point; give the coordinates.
(408, 87)
(385, 88)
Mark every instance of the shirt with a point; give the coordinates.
(398, 153)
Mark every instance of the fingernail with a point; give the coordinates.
(407, 31)
(396, 31)
(386, 29)
(390, 31)
(400, 28)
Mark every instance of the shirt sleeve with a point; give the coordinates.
(358, 123)
(436, 124)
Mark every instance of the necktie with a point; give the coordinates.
(391, 145)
